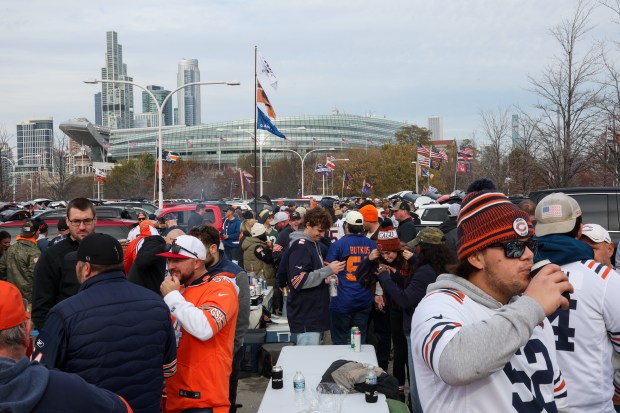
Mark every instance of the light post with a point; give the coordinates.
(416, 176)
(302, 160)
(260, 143)
(160, 117)
(13, 167)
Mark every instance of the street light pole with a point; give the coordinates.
(160, 116)
(416, 176)
(302, 160)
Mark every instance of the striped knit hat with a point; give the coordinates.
(488, 217)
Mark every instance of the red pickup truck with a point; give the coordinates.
(212, 215)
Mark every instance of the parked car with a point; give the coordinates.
(432, 214)
(14, 215)
(103, 211)
(118, 228)
(213, 215)
(147, 206)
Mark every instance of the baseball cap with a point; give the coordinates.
(454, 209)
(29, 227)
(257, 229)
(295, 216)
(185, 246)
(11, 306)
(428, 236)
(264, 215)
(354, 218)
(42, 226)
(556, 213)
(596, 233)
(231, 208)
(280, 217)
(301, 211)
(98, 249)
(400, 205)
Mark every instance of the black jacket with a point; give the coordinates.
(406, 230)
(148, 270)
(194, 220)
(54, 280)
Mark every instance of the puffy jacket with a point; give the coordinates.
(232, 228)
(18, 263)
(114, 334)
(251, 262)
(27, 386)
(54, 279)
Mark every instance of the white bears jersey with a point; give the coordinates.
(529, 382)
(588, 335)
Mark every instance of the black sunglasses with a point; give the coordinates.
(516, 248)
(176, 248)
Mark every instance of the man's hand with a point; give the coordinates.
(379, 303)
(547, 288)
(169, 285)
(336, 266)
(374, 254)
(407, 254)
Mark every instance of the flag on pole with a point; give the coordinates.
(422, 150)
(436, 153)
(366, 187)
(223, 140)
(261, 96)
(423, 160)
(263, 122)
(246, 182)
(425, 172)
(435, 164)
(169, 156)
(465, 153)
(132, 144)
(348, 178)
(315, 141)
(189, 142)
(369, 142)
(462, 167)
(345, 141)
(100, 175)
(431, 190)
(329, 162)
(264, 68)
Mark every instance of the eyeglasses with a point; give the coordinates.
(141, 219)
(176, 248)
(516, 248)
(78, 222)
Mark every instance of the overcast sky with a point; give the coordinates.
(404, 60)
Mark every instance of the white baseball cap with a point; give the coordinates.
(257, 229)
(280, 217)
(354, 218)
(186, 246)
(596, 233)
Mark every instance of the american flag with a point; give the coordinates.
(247, 174)
(552, 211)
(423, 160)
(189, 142)
(465, 153)
(223, 139)
(423, 151)
(345, 141)
(436, 153)
(369, 142)
(132, 144)
(315, 141)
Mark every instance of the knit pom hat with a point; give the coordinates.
(488, 217)
(370, 213)
(387, 239)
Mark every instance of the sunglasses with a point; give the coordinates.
(516, 248)
(141, 219)
(176, 249)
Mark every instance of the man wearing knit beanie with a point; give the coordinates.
(371, 221)
(480, 334)
(587, 334)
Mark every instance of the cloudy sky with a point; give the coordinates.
(404, 60)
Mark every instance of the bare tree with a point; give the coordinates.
(496, 129)
(61, 178)
(568, 98)
(6, 185)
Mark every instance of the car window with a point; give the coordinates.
(434, 214)
(118, 232)
(209, 216)
(594, 208)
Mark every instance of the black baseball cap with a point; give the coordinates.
(295, 216)
(62, 224)
(99, 249)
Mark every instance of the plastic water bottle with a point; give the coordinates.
(299, 382)
(371, 386)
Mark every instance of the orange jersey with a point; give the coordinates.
(203, 367)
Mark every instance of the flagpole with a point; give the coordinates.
(456, 171)
(344, 174)
(417, 166)
(255, 134)
(219, 153)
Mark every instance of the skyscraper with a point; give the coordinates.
(189, 97)
(435, 125)
(148, 106)
(35, 140)
(98, 108)
(517, 142)
(116, 99)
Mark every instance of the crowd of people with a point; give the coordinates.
(160, 326)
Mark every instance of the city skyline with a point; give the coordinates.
(407, 63)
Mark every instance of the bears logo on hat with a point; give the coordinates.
(387, 239)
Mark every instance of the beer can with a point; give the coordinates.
(357, 341)
(277, 374)
(353, 329)
(333, 288)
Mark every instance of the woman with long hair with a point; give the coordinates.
(432, 258)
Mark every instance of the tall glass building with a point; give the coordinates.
(224, 142)
(160, 93)
(189, 97)
(116, 99)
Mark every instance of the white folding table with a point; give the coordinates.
(313, 361)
